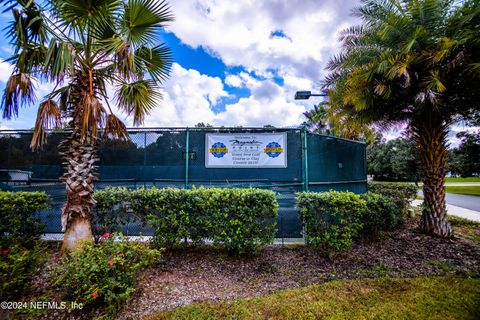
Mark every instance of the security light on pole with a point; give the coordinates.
(305, 95)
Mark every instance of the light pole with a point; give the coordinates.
(305, 95)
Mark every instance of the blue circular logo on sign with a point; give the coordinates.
(218, 150)
(273, 149)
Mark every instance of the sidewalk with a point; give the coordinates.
(457, 184)
(456, 211)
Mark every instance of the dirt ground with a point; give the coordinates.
(189, 276)
(204, 274)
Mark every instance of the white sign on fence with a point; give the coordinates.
(246, 150)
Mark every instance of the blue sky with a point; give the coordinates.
(236, 62)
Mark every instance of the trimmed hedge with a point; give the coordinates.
(382, 214)
(18, 223)
(240, 219)
(113, 210)
(400, 193)
(331, 220)
(335, 220)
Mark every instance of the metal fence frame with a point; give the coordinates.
(305, 185)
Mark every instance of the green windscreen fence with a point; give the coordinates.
(182, 157)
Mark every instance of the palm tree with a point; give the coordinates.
(82, 47)
(413, 62)
(317, 118)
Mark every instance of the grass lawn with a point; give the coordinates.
(469, 179)
(384, 298)
(470, 190)
(465, 228)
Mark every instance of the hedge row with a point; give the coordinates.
(335, 220)
(401, 193)
(18, 223)
(240, 219)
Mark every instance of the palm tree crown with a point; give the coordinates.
(408, 57)
(81, 47)
(414, 62)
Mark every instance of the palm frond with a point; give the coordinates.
(474, 68)
(138, 99)
(27, 26)
(59, 60)
(115, 129)
(48, 117)
(19, 91)
(124, 61)
(142, 19)
(90, 115)
(434, 82)
(157, 61)
(79, 14)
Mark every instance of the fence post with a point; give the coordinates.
(305, 158)
(144, 158)
(187, 155)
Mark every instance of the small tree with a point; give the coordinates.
(413, 62)
(465, 159)
(393, 160)
(81, 46)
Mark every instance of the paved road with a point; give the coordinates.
(461, 200)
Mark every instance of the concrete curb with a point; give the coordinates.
(456, 211)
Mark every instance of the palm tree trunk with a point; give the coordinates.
(80, 172)
(430, 136)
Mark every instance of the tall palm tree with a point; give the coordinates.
(329, 117)
(413, 62)
(347, 124)
(82, 47)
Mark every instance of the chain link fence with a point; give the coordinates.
(161, 157)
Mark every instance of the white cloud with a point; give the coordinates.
(188, 99)
(5, 71)
(2, 127)
(291, 39)
(456, 128)
(268, 104)
(241, 32)
(234, 81)
(191, 97)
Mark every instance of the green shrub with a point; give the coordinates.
(171, 213)
(239, 219)
(18, 224)
(104, 274)
(331, 220)
(17, 266)
(112, 211)
(381, 214)
(400, 193)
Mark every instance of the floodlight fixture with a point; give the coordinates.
(305, 95)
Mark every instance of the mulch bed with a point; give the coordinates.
(202, 275)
